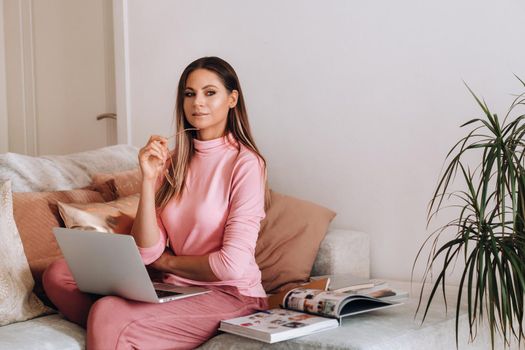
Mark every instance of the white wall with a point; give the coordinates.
(354, 104)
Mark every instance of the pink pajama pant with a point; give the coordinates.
(117, 323)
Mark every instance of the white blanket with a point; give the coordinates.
(64, 172)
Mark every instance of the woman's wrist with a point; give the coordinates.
(148, 185)
(170, 263)
(165, 263)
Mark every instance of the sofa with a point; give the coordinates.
(335, 251)
(338, 250)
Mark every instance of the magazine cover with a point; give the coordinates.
(277, 324)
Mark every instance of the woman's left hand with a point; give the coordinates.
(163, 262)
(192, 267)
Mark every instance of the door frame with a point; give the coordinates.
(122, 81)
(20, 93)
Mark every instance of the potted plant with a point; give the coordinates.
(488, 232)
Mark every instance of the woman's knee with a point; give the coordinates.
(109, 310)
(56, 274)
(107, 319)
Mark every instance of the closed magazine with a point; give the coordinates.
(277, 325)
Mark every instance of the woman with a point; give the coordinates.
(205, 200)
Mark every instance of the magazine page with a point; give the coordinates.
(335, 304)
(382, 292)
(357, 304)
(365, 300)
(315, 301)
(277, 300)
(374, 292)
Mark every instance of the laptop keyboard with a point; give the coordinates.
(164, 286)
(165, 293)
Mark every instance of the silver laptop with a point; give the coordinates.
(110, 264)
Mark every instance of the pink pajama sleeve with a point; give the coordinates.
(150, 254)
(243, 223)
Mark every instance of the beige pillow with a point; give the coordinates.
(289, 240)
(120, 184)
(17, 301)
(116, 216)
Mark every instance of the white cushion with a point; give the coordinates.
(343, 251)
(43, 333)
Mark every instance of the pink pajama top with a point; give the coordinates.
(218, 214)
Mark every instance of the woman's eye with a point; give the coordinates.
(189, 94)
(210, 93)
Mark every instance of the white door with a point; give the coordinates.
(60, 75)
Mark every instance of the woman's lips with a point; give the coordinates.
(200, 114)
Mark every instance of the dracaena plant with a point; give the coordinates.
(487, 233)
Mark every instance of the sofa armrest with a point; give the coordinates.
(343, 251)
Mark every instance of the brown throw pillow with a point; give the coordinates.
(115, 185)
(116, 216)
(289, 240)
(36, 213)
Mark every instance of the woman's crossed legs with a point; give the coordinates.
(117, 323)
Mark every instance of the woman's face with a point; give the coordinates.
(206, 103)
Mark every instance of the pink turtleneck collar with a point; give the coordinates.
(214, 145)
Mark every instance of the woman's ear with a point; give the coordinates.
(234, 95)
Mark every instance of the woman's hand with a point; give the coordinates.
(152, 157)
(193, 267)
(163, 262)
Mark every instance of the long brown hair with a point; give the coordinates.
(237, 124)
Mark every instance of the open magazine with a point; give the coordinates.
(336, 304)
(308, 310)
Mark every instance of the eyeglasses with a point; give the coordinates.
(180, 132)
(166, 171)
